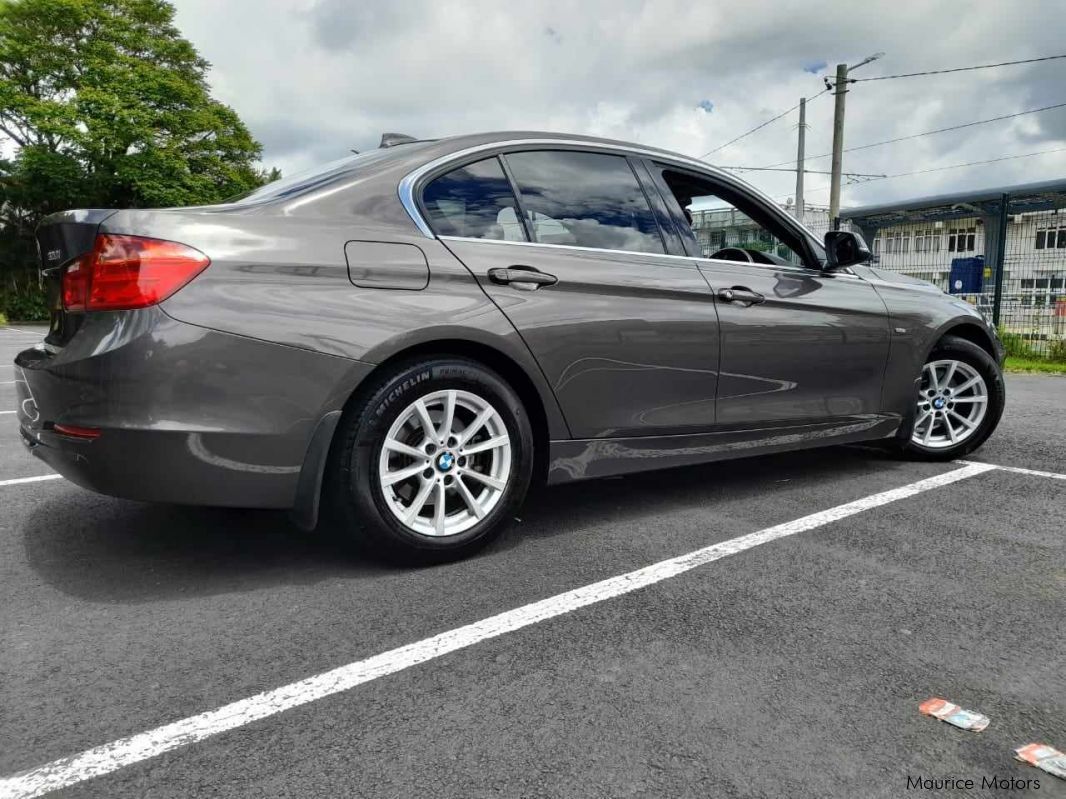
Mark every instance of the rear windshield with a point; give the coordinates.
(322, 175)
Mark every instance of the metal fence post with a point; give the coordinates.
(1001, 251)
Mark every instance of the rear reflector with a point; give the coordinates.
(73, 431)
(125, 272)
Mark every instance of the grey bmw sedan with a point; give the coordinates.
(397, 345)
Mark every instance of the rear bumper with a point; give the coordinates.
(185, 414)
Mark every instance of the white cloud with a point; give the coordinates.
(314, 79)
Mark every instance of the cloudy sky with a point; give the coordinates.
(314, 78)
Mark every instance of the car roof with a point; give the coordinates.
(455, 144)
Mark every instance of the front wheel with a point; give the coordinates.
(959, 402)
(435, 461)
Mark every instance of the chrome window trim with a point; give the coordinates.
(688, 258)
(407, 185)
(693, 260)
(805, 270)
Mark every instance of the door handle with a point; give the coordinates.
(740, 294)
(525, 278)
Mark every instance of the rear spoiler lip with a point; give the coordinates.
(85, 216)
(92, 218)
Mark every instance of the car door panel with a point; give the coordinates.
(628, 341)
(814, 349)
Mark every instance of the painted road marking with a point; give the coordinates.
(136, 748)
(1020, 470)
(37, 479)
(3, 412)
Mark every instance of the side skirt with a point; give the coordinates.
(605, 457)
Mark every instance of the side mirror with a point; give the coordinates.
(843, 248)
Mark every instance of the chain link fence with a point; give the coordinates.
(1003, 251)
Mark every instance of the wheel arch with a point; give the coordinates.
(545, 418)
(538, 406)
(971, 332)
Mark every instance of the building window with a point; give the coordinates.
(927, 240)
(897, 242)
(877, 246)
(1051, 238)
(962, 239)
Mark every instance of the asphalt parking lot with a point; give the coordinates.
(785, 667)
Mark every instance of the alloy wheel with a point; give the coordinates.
(952, 402)
(445, 463)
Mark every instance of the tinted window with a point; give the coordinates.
(584, 199)
(474, 201)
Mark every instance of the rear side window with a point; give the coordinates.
(585, 200)
(474, 201)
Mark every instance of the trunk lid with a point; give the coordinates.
(61, 239)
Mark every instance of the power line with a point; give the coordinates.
(931, 132)
(791, 169)
(759, 127)
(957, 69)
(952, 166)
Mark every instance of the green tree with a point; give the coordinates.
(103, 104)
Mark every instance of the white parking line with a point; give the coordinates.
(17, 330)
(19, 480)
(127, 751)
(3, 412)
(1020, 470)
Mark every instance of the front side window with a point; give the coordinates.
(474, 201)
(585, 200)
(729, 226)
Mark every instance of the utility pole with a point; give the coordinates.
(799, 159)
(840, 89)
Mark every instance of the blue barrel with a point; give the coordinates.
(967, 275)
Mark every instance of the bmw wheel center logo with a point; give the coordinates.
(445, 461)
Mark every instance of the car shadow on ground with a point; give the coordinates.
(109, 550)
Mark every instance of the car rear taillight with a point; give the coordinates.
(126, 272)
(76, 284)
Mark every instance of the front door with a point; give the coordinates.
(799, 344)
(813, 348)
(626, 334)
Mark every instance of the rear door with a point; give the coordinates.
(625, 332)
(799, 345)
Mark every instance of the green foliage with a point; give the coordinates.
(108, 107)
(1021, 349)
(1016, 345)
(3, 319)
(1035, 365)
(22, 298)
